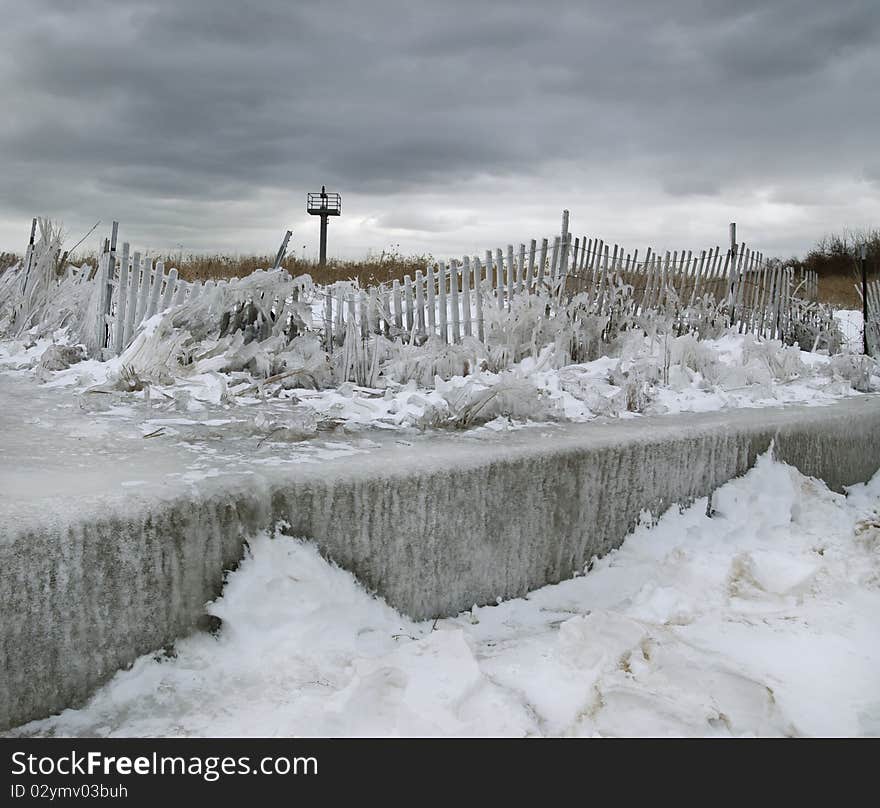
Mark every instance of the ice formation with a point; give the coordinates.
(544, 356)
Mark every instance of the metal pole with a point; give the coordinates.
(323, 259)
(732, 279)
(864, 257)
(282, 250)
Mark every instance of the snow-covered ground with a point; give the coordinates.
(643, 377)
(761, 620)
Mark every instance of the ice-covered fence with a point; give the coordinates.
(134, 288)
(449, 299)
(458, 299)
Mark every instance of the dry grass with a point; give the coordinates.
(369, 271)
(839, 290)
(833, 259)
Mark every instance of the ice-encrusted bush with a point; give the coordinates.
(812, 326)
(161, 352)
(520, 329)
(435, 358)
(855, 369)
(689, 352)
(783, 362)
(299, 423)
(303, 363)
(467, 402)
(44, 296)
(264, 304)
(637, 381)
(600, 397)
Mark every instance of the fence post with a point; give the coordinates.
(29, 256)
(108, 288)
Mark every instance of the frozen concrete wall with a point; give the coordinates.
(434, 527)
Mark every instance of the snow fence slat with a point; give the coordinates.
(478, 293)
(134, 280)
(542, 262)
(510, 272)
(499, 277)
(408, 302)
(530, 272)
(158, 271)
(121, 301)
(420, 304)
(328, 320)
(398, 310)
(180, 294)
(170, 283)
(453, 286)
(441, 301)
(466, 296)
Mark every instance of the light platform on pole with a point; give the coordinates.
(324, 204)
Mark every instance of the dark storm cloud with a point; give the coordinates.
(135, 108)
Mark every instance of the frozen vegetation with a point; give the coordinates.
(437, 385)
(760, 620)
(543, 357)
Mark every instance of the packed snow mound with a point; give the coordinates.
(758, 620)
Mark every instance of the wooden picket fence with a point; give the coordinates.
(133, 288)
(872, 325)
(449, 299)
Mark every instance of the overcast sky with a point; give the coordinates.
(447, 127)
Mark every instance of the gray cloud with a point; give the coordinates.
(208, 122)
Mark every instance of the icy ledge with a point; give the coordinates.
(91, 583)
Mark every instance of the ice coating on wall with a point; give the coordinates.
(434, 527)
